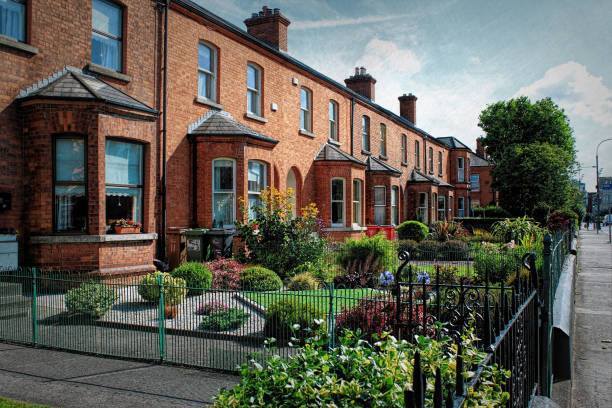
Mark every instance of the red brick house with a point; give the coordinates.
(165, 114)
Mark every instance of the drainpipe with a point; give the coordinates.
(194, 177)
(352, 122)
(164, 134)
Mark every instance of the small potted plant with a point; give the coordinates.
(124, 226)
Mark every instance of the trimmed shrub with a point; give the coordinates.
(196, 276)
(225, 273)
(490, 211)
(174, 288)
(211, 307)
(413, 230)
(376, 251)
(303, 281)
(282, 315)
(258, 278)
(469, 223)
(453, 251)
(498, 263)
(91, 299)
(232, 318)
(408, 245)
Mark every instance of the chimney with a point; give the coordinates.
(480, 150)
(361, 82)
(408, 107)
(270, 26)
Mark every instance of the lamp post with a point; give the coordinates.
(597, 174)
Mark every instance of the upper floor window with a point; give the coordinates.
(460, 170)
(394, 205)
(207, 72)
(106, 36)
(70, 199)
(333, 120)
(404, 148)
(256, 183)
(383, 139)
(365, 133)
(380, 204)
(417, 154)
(13, 18)
(253, 90)
(224, 190)
(306, 109)
(475, 182)
(357, 202)
(337, 202)
(440, 163)
(124, 181)
(431, 160)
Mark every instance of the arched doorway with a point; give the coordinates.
(294, 182)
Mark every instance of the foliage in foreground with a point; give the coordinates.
(357, 374)
(175, 289)
(91, 299)
(6, 403)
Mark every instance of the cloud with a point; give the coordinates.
(573, 88)
(384, 56)
(312, 24)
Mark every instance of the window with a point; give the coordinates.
(417, 155)
(70, 198)
(13, 18)
(305, 109)
(357, 202)
(460, 207)
(404, 148)
(333, 120)
(394, 205)
(365, 133)
(106, 36)
(440, 163)
(257, 176)
(224, 188)
(207, 72)
(441, 208)
(422, 209)
(460, 170)
(450, 207)
(124, 175)
(434, 201)
(337, 202)
(253, 90)
(475, 182)
(431, 160)
(380, 203)
(383, 139)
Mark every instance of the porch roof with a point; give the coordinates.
(329, 152)
(379, 166)
(419, 177)
(221, 123)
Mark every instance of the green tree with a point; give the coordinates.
(533, 147)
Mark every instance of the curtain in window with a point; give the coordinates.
(124, 202)
(70, 208)
(379, 205)
(256, 177)
(106, 37)
(123, 163)
(337, 201)
(223, 193)
(106, 52)
(12, 19)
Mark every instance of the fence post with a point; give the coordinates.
(161, 319)
(34, 309)
(545, 319)
(332, 320)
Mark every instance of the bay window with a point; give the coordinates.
(224, 191)
(422, 209)
(337, 202)
(107, 35)
(394, 205)
(357, 202)
(256, 183)
(124, 181)
(380, 204)
(434, 203)
(70, 198)
(441, 208)
(460, 207)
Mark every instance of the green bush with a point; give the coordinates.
(443, 231)
(258, 278)
(323, 271)
(282, 315)
(303, 281)
(413, 230)
(174, 288)
(408, 245)
(196, 275)
(91, 299)
(490, 211)
(453, 250)
(232, 318)
(497, 262)
(376, 251)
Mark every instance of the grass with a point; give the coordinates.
(320, 298)
(464, 270)
(6, 403)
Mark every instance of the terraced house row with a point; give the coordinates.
(162, 113)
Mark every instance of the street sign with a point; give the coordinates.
(606, 186)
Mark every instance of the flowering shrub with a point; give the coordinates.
(225, 273)
(211, 307)
(386, 278)
(125, 223)
(561, 219)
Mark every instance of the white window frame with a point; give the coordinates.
(233, 191)
(434, 207)
(306, 111)
(253, 192)
(431, 153)
(417, 154)
(333, 120)
(422, 209)
(343, 201)
(460, 170)
(365, 133)
(357, 203)
(441, 211)
(394, 205)
(209, 73)
(460, 207)
(382, 206)
(475, 179)
(254, 94)
(404, 148)
(383, 139)
(440, 163)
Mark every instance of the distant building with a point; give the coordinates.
(605, 194)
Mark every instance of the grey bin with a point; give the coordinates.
(197, 244)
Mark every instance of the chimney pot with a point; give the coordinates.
(408, 107)
(361, 83)
(356, 70)
(362, 71)
(270, 26)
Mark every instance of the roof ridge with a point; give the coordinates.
(45, 82)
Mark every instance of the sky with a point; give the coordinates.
(458, 56)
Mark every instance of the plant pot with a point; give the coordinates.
(170, 311)
(126, 230)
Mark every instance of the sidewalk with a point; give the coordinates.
(592, 350)
(62, 379)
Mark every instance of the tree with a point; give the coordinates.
(533, 147)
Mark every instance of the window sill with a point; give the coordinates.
(343, 229)
(107, 72)
(404, 164)
(79, 239)
(383, 157)
(304, 132)
(366, 152)
(18, 45)
(207, 102)
(334, 142)
(252, 116)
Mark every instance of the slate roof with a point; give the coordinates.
(452, 142)
(73, 83)
(376, 165)
(221, 123)
(329, 152)
(479, 161)
(418, 177)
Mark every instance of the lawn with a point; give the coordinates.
(464, 270)
(5, 403)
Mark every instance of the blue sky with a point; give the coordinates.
(459, 56)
